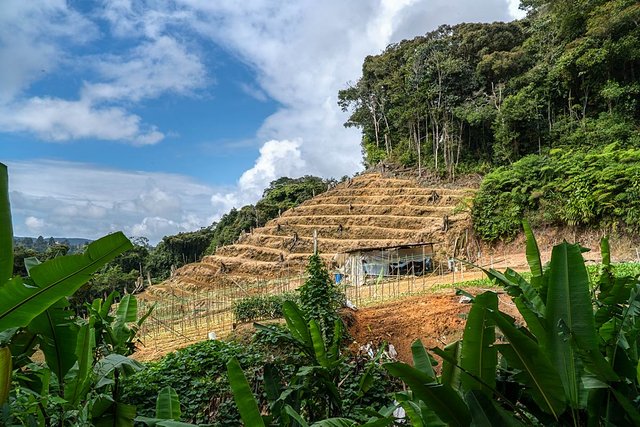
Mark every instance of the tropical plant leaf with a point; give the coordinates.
(441, 398)
(631, 410)
(55, 279)
(421, 360)
(533, 256)
(296, 323)
(485, 413)
(127, 311)
(535, 323)
(605, 252)
(569, 303)
(412, 411)
(168, 404)
(318, 344)
(335, 422)
(419, 414)
(338, 333)
(105, 367)
(450, 371)
(479, 357)
(537, 373)
(122, 415)
(295, 415)
(80, 374)
(528, 292)
(247, 405)
(6, 368)
(6, 229)
(57, 336)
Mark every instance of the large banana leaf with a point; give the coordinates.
(6, 367)
(479, 357)
(421, 360)
(80, 376)
(297, 323)
(536, 371)
(485, 413)
(451, 371)
(247, 405)
(533, 256)
(168, 404)
(57, 336)
(318, 344)
(6, 230)
(55, 279)
(441, 398)
(569, 306)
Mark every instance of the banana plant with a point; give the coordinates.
(313, 390)
(250, 413)
(566, 367)
(167, 411)
(116, 333)
(34, 313)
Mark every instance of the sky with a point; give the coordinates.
(158, 116)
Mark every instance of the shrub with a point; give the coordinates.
(198, 375)
(591, 188)
(320, 298)
(261, 307)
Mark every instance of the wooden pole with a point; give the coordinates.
(315, 242)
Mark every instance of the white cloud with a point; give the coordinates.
(37, 39)
(153, 68)
(81, 200)
(303, 53)
(514, 9)
(34, 224)
(54, 119)
(30, 34)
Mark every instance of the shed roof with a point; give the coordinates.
(384, 248)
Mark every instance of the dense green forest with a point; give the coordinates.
(472, 97)
(566, 76)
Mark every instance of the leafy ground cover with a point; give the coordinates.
(597, 189)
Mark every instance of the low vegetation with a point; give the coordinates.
(594, 189)
(574, 362)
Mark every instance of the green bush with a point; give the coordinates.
(320, 298)
(199, 376)
(261, 307)
(593, 188)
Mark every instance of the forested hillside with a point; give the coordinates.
(564, 77)
(558, 86)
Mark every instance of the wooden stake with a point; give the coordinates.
(315, 242)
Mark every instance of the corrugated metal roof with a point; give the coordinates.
(384, 248)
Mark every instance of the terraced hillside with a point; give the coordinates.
(371, 210)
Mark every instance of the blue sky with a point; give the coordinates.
(158, 116)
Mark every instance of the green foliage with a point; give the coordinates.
(574, 361)
(320, 298)
(593, 188)
(318, 388)
(261, 307)
(198, 374)
(79, 381)
(565, 76)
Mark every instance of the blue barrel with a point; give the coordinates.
(338, 277)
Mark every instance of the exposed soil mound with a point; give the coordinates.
(436, 319)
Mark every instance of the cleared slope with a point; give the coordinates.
(367, 211)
